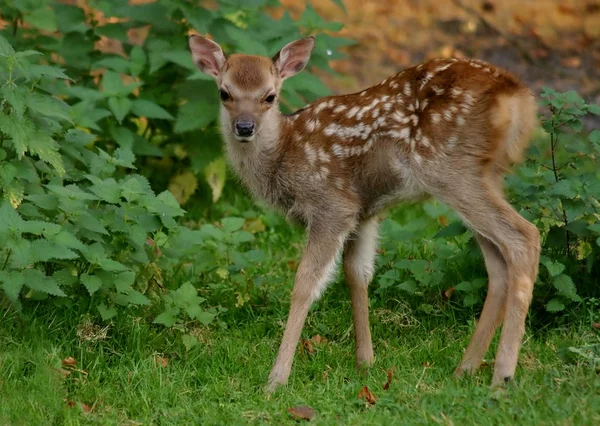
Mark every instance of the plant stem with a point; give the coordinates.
(553, 143)
(6, 260)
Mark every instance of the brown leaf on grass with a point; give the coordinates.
(159, 360)
(69, 362)
(307, 346)
(596, 325)
(448, 293)
(302, 412)
(389, 379)
(367, 395)
(86, 408)
(318, 340)
(62, 372)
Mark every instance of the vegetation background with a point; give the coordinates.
(139, 284)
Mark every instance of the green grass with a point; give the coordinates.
(220, 381)
(121, 376)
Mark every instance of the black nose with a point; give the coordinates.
(244, 127)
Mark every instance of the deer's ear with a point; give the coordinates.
(293, 57)
(207, 55)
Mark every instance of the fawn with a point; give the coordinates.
(448, 128)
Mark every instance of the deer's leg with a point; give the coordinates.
(485, 210)
(493, 308)
(313, 274)
(359, 259)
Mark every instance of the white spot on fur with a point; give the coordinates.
(323, 156)
(451, 142)
(457, 91)
(375, 113)
(438, 90)
(352, 112)
(339, 108)
(424, 104)
(311, 154)
(415, 119)
(460, 121)
(448, 115)
(338, 151)
(404, 134)
(407, 91)
(311, 125)
(435, 117)
(442, 68)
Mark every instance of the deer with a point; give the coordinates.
(447, 129)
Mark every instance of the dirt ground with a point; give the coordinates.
(546, 42)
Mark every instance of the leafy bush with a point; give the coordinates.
(557, 188)
(81, 127)
(134, 83)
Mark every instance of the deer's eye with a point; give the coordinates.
(224, 95)
(269, 99)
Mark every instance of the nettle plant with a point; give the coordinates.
(135, 86)
(557, 188)
(75, 221)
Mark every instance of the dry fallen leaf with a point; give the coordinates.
(367, 395)
(318, 339)
(389, 379)
(307, 346)
(448, 293)
(69, 362)
(596, 325)
(302, 412)
(86, 408)
(163, 362)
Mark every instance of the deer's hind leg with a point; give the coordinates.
(484, 209)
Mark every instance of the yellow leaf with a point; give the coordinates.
(254, 225)
(584, 249)
(14, 194)
(183, 186)
(215, 174)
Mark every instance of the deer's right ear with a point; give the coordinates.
(207, 55)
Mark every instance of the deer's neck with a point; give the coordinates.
(255, 162)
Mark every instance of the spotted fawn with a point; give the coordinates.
(448, 129)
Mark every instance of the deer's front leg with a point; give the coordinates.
(359, 259)
(314, 272)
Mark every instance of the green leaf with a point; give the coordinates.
(149, 109)
(135, 298)
(564, 284)
(111, 265)
(43, 250)
(204, 317)
(195, 115)
(10, 221)
(555, 305)
(231, 224)
(120, 107)
(89, 222)
(564, 188)
(66, 239)
(12, 283)
(240, 237)
(39, 228)
(36, 280)
(137, 60)
(38, 71)
(464, 286)
(5, 48)
(134, 187)
(167, 318)
(469, 300)
(409, 286)
(116, 63)
(43, 18)
(48, 106)
(188, 341)
(554, 268)
(91, 282)
(71, 191)
(340, 3)
(105, 312)
(108, 190)
(594, 109)
(124, 157)
(454, 229)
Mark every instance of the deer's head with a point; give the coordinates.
(249, 85)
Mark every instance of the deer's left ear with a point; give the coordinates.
(207, 55)
(293, 57)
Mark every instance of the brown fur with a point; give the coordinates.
(447, 129)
